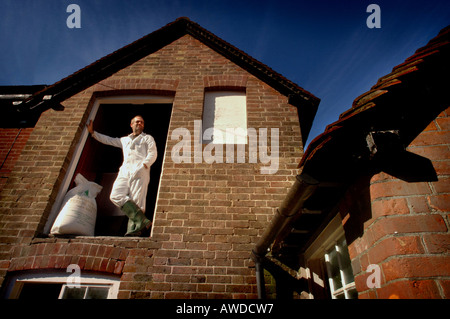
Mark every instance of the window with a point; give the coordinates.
(100, 163)
(329, 265)
(339, 271)
(33, 286)
(84, 292)
(33, 291)
(225, 117)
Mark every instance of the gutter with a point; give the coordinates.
(291, 207)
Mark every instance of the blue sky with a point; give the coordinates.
(323, 46)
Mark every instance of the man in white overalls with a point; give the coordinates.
(129, 191)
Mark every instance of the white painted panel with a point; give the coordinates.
(226, 113)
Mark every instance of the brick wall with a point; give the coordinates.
(208, 216)
(12, 141)
(407, 231)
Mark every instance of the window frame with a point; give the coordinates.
(346, 287)
(209, 119)
(320, 248)
(65, 288)
(122, 99)
(17, 282)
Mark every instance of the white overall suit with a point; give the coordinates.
(133, 178)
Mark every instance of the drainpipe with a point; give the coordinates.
(291, 206)
(260, 280)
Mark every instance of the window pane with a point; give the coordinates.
(74, 293)
(340, 295)
(333, 269)
(38, 291)
(97, 293)
(352, 294)
(345, 262)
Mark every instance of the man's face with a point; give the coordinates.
(137, 125)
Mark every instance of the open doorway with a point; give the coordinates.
(100, 163)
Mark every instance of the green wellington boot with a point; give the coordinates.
(138, 223)
(131, 227)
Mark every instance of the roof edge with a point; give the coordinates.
(52, 95)
(398, 79)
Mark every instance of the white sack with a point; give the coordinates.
(79, 210)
